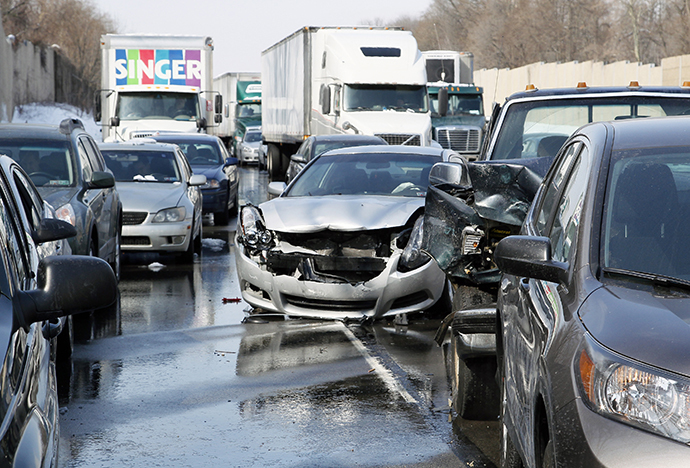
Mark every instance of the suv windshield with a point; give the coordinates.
(539, 128)
(128, 165)
(48, 163)
(647, 212)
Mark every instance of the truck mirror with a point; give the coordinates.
(325, 99)
(450, 175)
(115, 121)
(201, 122)
(218, 118)
(97, 106)
(443, 101)
(218, 104)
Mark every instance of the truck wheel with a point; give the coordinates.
(273, 161)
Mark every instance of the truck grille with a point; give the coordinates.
(141, 135)
(130, 218)
(400, 139)
(462, 140)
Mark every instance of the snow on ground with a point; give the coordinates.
(53, 113)
(215, 245)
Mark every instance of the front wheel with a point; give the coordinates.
(273, 161)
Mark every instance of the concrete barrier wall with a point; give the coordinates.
(501, 83)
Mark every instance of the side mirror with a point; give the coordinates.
(52, 229)
(67, 284)
(115, 121)
(218, 105)
(101, 179)
(453, 174)
(97, 106)
(197, 179)
(276, 188)
(201, 123)
(442, 101)
(325, 99)
(530, 257)
(231, 161)
(298, 158)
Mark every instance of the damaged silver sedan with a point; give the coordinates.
(342, 240)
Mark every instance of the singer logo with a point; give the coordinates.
(157, 67)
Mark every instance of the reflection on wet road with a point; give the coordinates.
(178, 379)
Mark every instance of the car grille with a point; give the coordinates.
(462, 140)
(136, 240)
(410, 300)
(130, 218)
(400, 139)
(309, 303)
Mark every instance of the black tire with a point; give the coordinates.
(188, 255)
(474, 392)
(116, 263)
(274, 162)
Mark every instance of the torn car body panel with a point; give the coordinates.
(461, 227)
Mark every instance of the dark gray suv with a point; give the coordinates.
(65, 164)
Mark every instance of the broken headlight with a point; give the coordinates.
(471, 240)
(412, 257)
(635, 394)
(254, 233)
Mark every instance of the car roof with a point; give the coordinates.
(656, 132)
(31, 131)
(346, 138)
(586, 91)
(185, 137)
(386, 149)
(137, 146)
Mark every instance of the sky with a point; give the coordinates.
(241, 29)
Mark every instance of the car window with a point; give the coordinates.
(553, 186)
(569, 209)
(12, 239)
(30, 199)
(86, 170)
(48, 163)
(94, 155)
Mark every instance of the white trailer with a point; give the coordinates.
(332, 80)
(156, 83)
(241, 94)
(449, 66)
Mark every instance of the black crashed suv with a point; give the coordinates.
(65, 164)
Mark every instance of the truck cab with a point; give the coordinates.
(460, 125)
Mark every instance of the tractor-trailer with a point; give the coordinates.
(241, 92)
(156, 83)
(334, 80)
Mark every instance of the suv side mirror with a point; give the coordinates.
(51, 229)
(101, 179)
(529, 257)
(453, 174)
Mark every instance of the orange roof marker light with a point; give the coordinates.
(530, 87)
(634, 84)
(686, 84)
(582, 85)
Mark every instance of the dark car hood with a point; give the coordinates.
(211, 172)
(651, 327)
(57, 196)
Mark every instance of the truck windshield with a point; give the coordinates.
(156, 105)
(252, 110)
(539, 128)
(459, 104)
(367, 97)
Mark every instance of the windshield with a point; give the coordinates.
(366, 97)
(156, 105)
(365, 174)
(647, 212)
(539, 128)
(132, 165)
(252, 137)
(201, 154)
(249, 110)
(459, 104)
(48, 163)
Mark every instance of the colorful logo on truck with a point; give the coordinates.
(158, 67)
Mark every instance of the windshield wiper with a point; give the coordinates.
(655, 279)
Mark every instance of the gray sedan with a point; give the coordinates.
(161, 197)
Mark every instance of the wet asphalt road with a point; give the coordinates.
(177, 378)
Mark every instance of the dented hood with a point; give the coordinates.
(338, 213)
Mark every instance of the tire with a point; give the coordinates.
(116, 263)
(188, 255)
(274, 162)
(474, 392)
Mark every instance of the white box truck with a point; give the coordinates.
(241, 94)
(156, 83)
(331, 80)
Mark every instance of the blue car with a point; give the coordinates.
(208, 156)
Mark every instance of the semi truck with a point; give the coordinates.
(155, 83)
(457, 122)
(337, 80)
(241, 94)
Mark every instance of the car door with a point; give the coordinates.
(538, 313)
(230, 172)
(193, 193)
(30, 415)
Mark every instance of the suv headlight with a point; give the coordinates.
(211, 183)
(412, 257)
(66, 213)
(634, 394)
(253, 229)
(170, 215)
